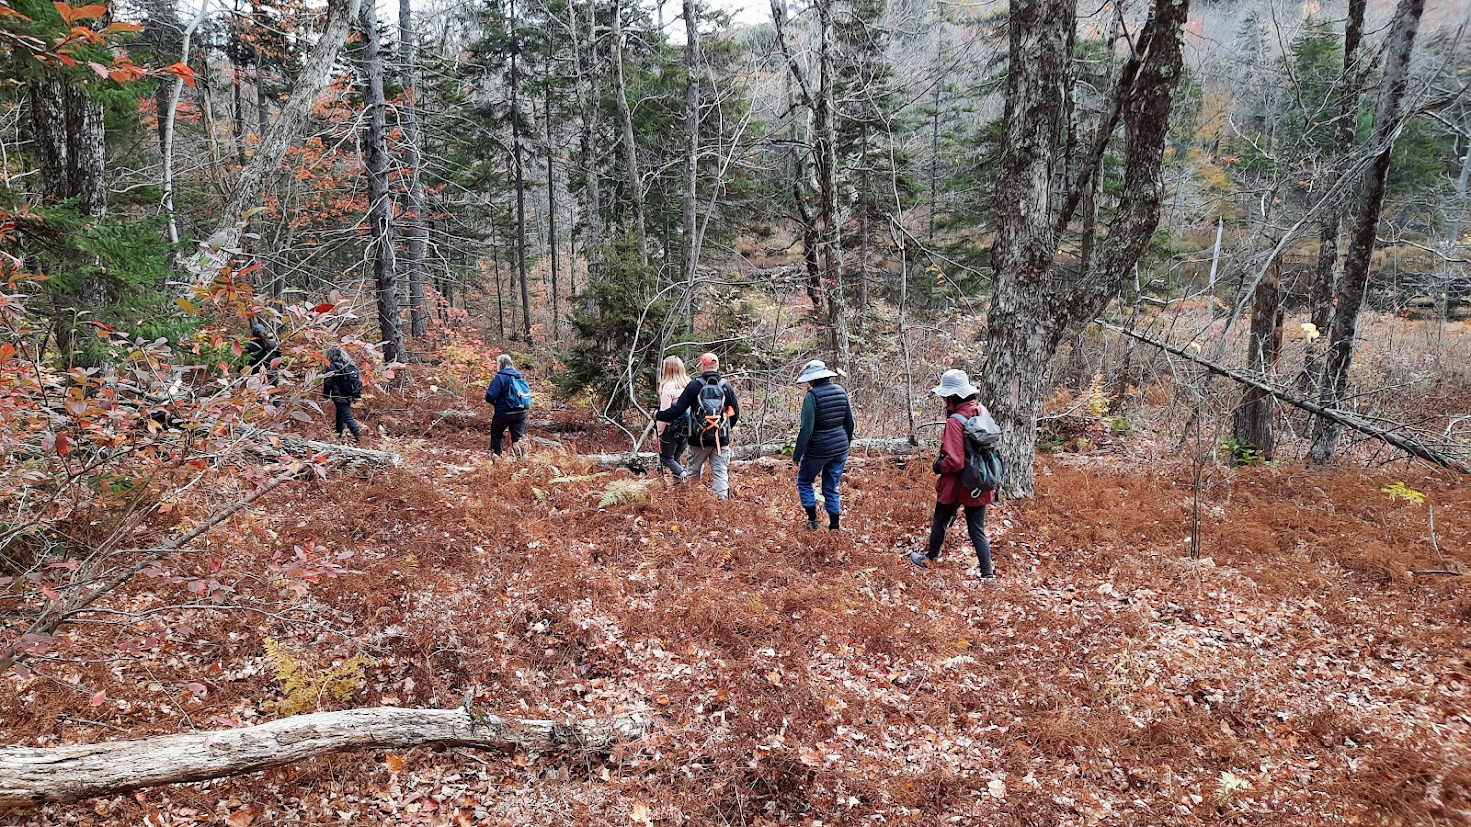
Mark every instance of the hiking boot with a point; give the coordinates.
(832, 523)
(988, 579)
(919, 560)
(811, 517)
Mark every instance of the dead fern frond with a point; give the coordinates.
(624, 492)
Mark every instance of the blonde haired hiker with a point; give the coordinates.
(713, 409)
(673, 436)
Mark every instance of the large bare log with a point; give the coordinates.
(1343, 418)
(648, 459)
(274, 444)
(68, 773)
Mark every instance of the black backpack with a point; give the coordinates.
(984, 469)
(349, 381)
(713, 425)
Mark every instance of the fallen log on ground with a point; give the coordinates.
(1343, 418)
(273, 444)
(36, 774)
(739, 453)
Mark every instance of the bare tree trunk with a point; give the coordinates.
(825, 116)
(1355, 281)
(237, 109)
(691, 157)
(551, 196)
(495, 264)
(1253, 417)
(589, 93)
(630, 149)
(69, 773)
(380, 205)
(315, 72)
(168, 117)
(520, 173)
(1320, 302)
(261, 117)
(413, 212)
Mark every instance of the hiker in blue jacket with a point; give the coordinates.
(822, 442)
(511, 396)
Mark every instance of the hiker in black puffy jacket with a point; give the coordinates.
(510, 409)
(343, 385)
(822, 442)
(713, 414)
(263, 354)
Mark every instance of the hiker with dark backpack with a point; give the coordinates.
(264, 355)
(823, 438)
(713, 409)
(970, 470)
(511, 396)
(343, 385)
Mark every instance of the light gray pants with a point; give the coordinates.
(719, 466)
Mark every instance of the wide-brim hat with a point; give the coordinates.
(955, 382)
(815, 369)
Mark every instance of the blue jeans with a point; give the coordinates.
(832, 474)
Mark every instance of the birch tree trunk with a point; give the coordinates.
(413, 211)
(316, 70)
(167, 122)
(380, 205)
(1353, 285)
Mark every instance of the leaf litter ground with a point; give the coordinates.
(1294, 675)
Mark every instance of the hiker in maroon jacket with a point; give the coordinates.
(950, 495)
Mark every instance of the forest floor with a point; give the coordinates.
(809, 678)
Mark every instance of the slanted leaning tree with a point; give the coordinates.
(1038, 193)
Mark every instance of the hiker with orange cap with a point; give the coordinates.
(713, 408)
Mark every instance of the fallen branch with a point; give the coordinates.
(273, 444)
(1344, 418)
(649, 459)
(68, 773)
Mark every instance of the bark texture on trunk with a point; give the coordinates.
(691, 157)
(413, 209)
(520, 174)
(630, 149)
(380, 205)
(1320, 302)
(316, 70)
(825, 118)
(1038, 302)
(1354, 283)
(69, 773)
(1253, 418)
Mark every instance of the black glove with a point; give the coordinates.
(936, 465)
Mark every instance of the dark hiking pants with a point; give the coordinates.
(345, 419)
(975, 526)
(515, 421)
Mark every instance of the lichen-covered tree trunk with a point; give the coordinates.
(825, 117)
(1343, 330)
(1020, 330)
(380, 208)
(1033, 307)
(691, 157)
(413, 212)
(1252, 425)
(630, 148)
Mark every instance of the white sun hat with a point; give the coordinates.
(815, 369)
(955, 382)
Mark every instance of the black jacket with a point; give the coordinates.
(341, 380)
(262, 351)
(690, 399)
